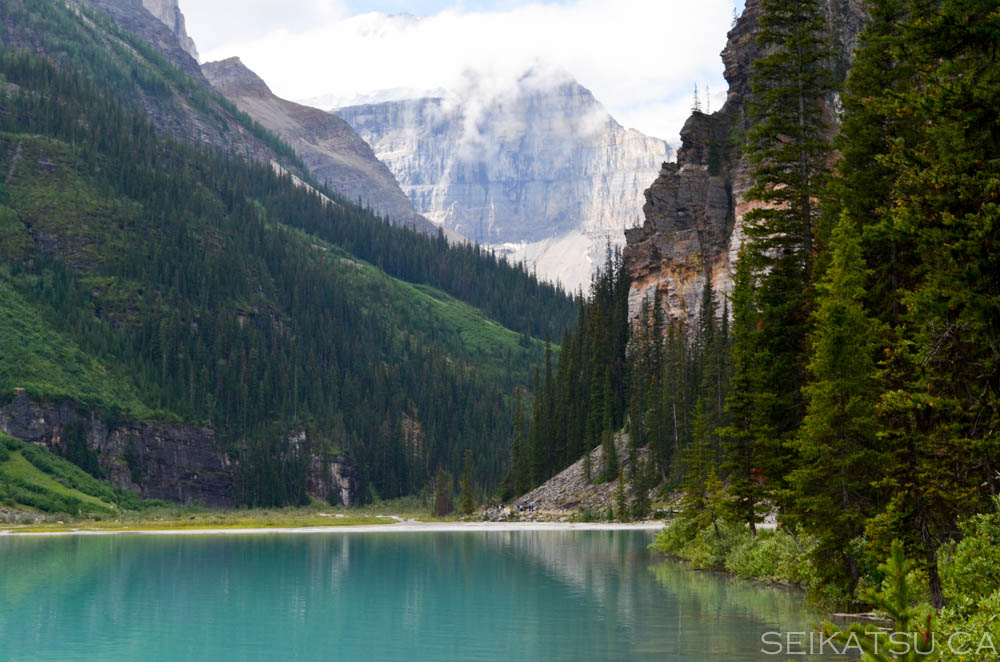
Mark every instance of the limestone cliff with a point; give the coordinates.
(159, 23)
(539, 171)
(182, 463)
(332, 151)
(694, 210)
(170, 15)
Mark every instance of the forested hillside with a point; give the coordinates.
(149, 278)
(850, 381)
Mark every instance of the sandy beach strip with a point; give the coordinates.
(407, 526)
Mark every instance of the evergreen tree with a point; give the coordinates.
(443, 504)
(940, 405)
(621, 505)
(743, 459)
(702, 488)
(788, 149)
(839, 463)
(610, 466)
(468, 504)
(910, 618)
(869, 127)
(642, 482)
(520, 465)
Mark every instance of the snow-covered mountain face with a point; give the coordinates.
(540, 170)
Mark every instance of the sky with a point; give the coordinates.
(640, 58)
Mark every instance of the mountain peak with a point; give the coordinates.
(232, 75)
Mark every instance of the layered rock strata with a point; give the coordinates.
(331, 150)
(540, 172)
(183, 463)
(694, 211)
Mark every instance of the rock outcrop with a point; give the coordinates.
(183, 463)
(694, 210)
(187, 110)
(135, 16)
(331, 150)
(569, 492)
(170, 15)
(541, 171)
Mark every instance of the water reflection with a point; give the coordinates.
(596, 595)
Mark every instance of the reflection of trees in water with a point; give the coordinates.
(506, 595)
(725, 615)
(604, 567)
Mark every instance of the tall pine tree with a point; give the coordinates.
(789, 152)
(838, 459)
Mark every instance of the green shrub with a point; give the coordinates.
(770, 556)
(981, 625)
(970, 577)
(10, 443)
(705, 548)
(971, 569)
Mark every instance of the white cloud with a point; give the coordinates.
(641, 58)
(215, 24)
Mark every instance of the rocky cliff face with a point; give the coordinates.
(540, 171)
(332, 151)
(694, 211)
(186, 111)
(170, 15)
(158, 27)
(182, 463)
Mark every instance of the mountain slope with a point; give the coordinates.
(33, 478)
(142, 62)
(540, 171)
(329, 147)
(258, 359)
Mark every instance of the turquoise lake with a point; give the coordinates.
(524, 596)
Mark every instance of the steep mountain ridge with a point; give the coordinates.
(169, 13)
(200, 319)
(135, 54)
(331, 150)
(693, 216)
(541, 172)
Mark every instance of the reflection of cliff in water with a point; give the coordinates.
(532, 596)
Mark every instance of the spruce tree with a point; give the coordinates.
(940, 405)
(743, 439)
(520, 463)
(789, 150)
(621, 505)
(468, 504)
(869, 128)
(443, 504)
(609, 457)
(642, 482)
(839, 462)
(697, 465)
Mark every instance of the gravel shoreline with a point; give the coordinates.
(407, 526)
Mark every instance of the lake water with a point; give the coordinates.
(518, 596)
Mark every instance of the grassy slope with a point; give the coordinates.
(31, 478)
(48, 365)
(47, 195)
(436, 314)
